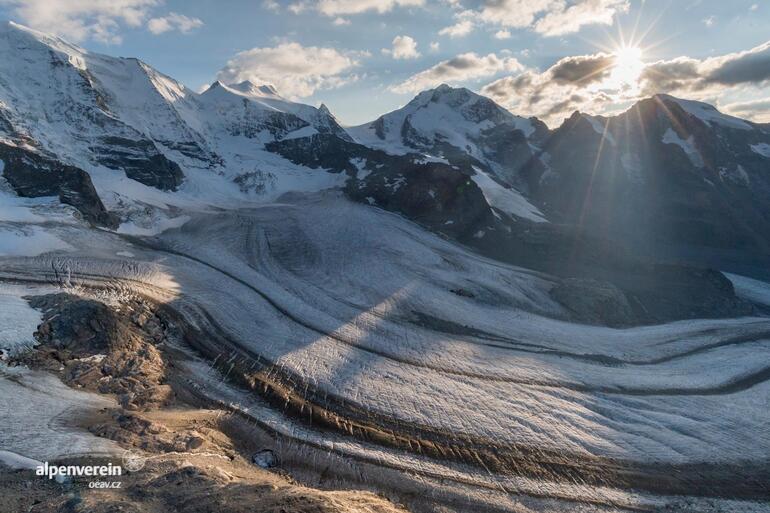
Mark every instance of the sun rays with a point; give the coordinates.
(628, 66)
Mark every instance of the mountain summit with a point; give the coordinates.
(457, 124)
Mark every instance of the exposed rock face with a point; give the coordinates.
(437, 195)
(656, 293)
(594, 302)
(281, 114)
(141, 161)
(322, 151)
(241, 116)
(325, 122)
(445, 199)
(192, 459)
(104, 349)
(32, 176)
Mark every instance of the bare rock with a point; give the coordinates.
(594, 302)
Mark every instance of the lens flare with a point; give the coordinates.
(628, 66)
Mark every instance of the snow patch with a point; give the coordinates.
(737, 175)
(156, 228)
(18, 462)
(509, 201)
(633, 166)
(600, 129)
(29, 241)
(688, 145)
(748, 288)
(18, 321)
(303, 132)
(761, 149)
(709, 113)
(360, 164)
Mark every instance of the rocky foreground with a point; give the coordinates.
(196, 459)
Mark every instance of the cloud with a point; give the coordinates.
(339, 21)
(751, 66)
(79, 20)
(514, 13)
(755, 110)
(298, 7)
(466, 21)
(341, 7)
(404, 47)
(685, 75)
(464, 67)
(560, 21)
(710, 21)
(173, 21)
(582, 69)
(503, 34)
(296, 71)
(271, 5)
(435, 46)
(100, 20)
(590, 83)
(549, 17)
(459, 29)
(580, 82)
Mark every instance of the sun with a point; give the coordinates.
(628, 66)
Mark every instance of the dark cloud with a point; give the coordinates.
(580, 82)
(691, 75)
(666, 76)
(758, 110)
(742, 68)
(583, 69)
(505, 86)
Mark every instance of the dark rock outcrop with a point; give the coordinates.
(442, 197)
(594, 302)
(102, 348)
(32, 175)
(140, 160)
(435, 195)
(655, 292)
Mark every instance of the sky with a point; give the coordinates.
(363, 58)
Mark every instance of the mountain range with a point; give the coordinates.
(449, 308)
(631, 206)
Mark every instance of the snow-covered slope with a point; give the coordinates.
(119, 117)
(707, 113)
(57, 98)
(63, 96)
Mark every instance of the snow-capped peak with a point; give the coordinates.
(259, 91)
(448, 120)
(229, 99)
(22, 34)
(705, 112)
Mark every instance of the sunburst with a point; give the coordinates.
(628, 66)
